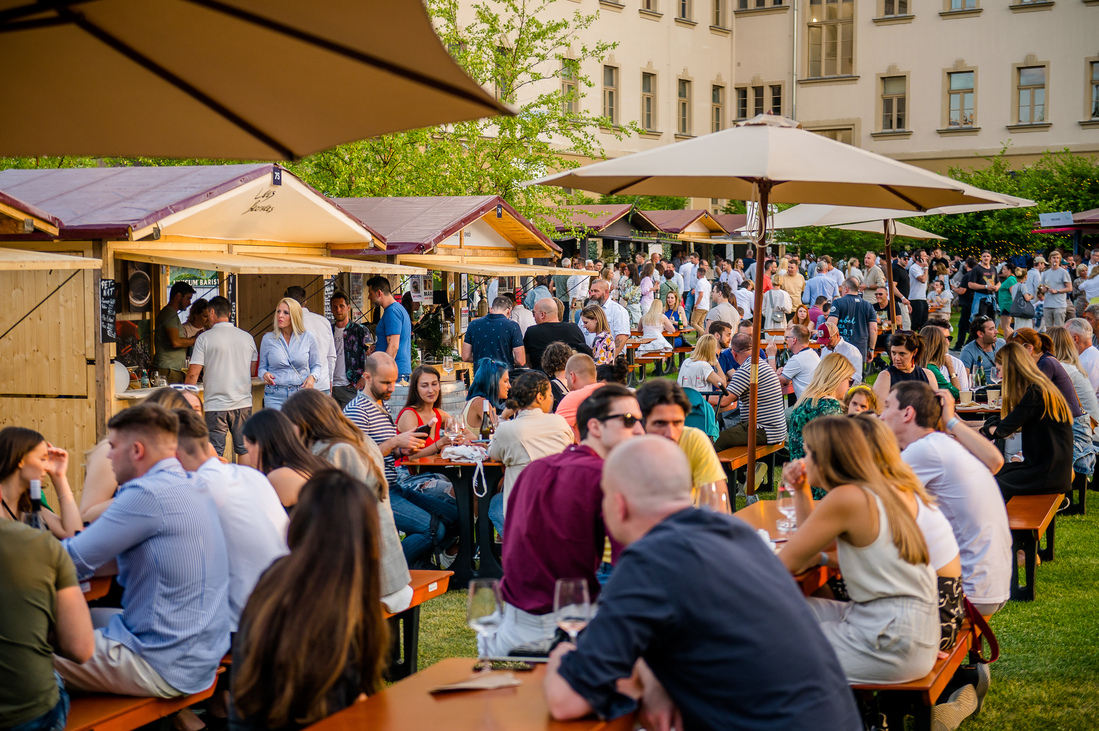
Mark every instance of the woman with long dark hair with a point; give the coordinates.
(25, 455)
(313, 637)
(889, 631)
(629, 289)
(275, 450)
(905, 347)
(1036, 408)
(422, 408)
(935, 357)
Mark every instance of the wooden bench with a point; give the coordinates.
(1031, 517)
(102, 712)
(736, 457)
(918, 697)
(405, 625)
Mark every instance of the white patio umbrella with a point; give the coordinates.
(902, 229)
(770, 159)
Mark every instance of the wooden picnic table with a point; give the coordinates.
(975, 413)
(408, 705)
(474, 528)
(764, 514)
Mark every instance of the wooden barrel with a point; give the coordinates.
(453, 398)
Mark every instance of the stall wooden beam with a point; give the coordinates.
(223, 262)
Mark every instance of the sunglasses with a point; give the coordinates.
(628, 420)
(183, 387)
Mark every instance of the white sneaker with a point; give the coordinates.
(948, 716)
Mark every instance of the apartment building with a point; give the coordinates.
(933, 82)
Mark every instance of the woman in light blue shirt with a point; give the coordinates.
(289, 357)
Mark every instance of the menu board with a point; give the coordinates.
(108, 310)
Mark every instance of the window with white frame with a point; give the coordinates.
(648, 101)
(570, 72)
(831, 38)
(893, 103)
(717, 108)
(961, 99)
(742, 103)
(683, 107)
(610, 93)
(1032, 95)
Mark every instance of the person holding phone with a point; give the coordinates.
(421, 412)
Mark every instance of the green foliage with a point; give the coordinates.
(512, 47)
(647, 202)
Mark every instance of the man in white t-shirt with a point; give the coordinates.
(689, 272)
(228, 355)
(917, 289)
(798, 371)
(701, 296)
(836, 344)
(958, 474)
(1081, 333)
(321, 329)
(745, 298)
(618, 317)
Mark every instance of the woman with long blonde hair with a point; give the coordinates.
(935, 357)
(653, 326)
(1036, 409)
(889, 631)
(673, 310)
(289, 357)
(701, 370)
(822, 397)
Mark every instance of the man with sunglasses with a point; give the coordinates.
(555, 528)
(798, 370)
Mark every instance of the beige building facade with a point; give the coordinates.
(933, 82)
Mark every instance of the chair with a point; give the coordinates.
(702, 414)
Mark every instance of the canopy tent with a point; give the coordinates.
(770, 159)
(233, 79)
(26, 261)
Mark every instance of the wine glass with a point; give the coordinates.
(572, 606)
(711, 496)
(786, 505)
(485, 610)
(448, 364)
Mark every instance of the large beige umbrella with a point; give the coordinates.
(226, 79)
(882, 227)
(771, 160)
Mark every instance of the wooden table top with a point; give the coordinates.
(764, 514)
(407, 705)
(435, 460)
(1032, 512)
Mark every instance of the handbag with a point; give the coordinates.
(1021, 307)
(952, 610)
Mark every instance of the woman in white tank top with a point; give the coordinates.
(889, 631)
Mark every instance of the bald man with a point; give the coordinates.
(618, 317)
(547, 329)
(660, 627)
(581, 381)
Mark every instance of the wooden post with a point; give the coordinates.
(753, 387)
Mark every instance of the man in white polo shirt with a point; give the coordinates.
(618, 317)
(798, 371)
(228, 355)
(321, 329)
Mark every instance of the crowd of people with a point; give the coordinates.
(308, 536)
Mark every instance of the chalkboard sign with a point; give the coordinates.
(108, 310)
(329, 290)
(231, 295)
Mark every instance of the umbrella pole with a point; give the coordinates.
(764, 187)
(891, 313)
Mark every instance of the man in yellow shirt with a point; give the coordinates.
(791, 282)
(664, 409)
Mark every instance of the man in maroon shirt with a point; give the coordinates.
(555, 525)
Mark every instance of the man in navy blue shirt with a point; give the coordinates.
(495, 336)
(393, 335)
(663, 624)
(854, 317)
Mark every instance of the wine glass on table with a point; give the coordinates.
(572, 606)
(448, 364)
(711, 496)
(485, 610)
(786, 505)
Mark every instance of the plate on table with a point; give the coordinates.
(121, 378)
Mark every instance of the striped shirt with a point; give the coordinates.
(771, 414)
(375, 421)
(163, 528)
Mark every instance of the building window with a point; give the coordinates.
(893, 103)
(961, 99)
(843, 134)
(831, 38)
(719, 13)
(1032, 95)
(1095, 89)
(570, 72)
(757, 100)
(963, 4)
(648, 5)
(683, 9)
(742, 4)
(742, 103)
(648, 101)
(610, 94)
(895, 7)
(717, 108)
(776, 99)
(683, 106)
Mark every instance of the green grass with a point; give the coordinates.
(1047, 676)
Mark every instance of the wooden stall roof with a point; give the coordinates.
(15, 215)
(357, 266)
(226, 263)
(416, 225)
(674, 222)
(226, 202)
(25, 261)
(597, 217)
(731, 222)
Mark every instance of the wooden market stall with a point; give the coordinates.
(693, 229)
(619, 227)
(246, 232)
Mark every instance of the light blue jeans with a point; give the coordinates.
(275, 396)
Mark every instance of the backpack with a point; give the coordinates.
(702, 414)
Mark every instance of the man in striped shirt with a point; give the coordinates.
(163, 529)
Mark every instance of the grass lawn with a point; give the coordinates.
(1047, 676)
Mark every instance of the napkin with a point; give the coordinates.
(766, 538)
(480, 681)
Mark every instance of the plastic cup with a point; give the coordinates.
(993, 396)
(965, 396)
